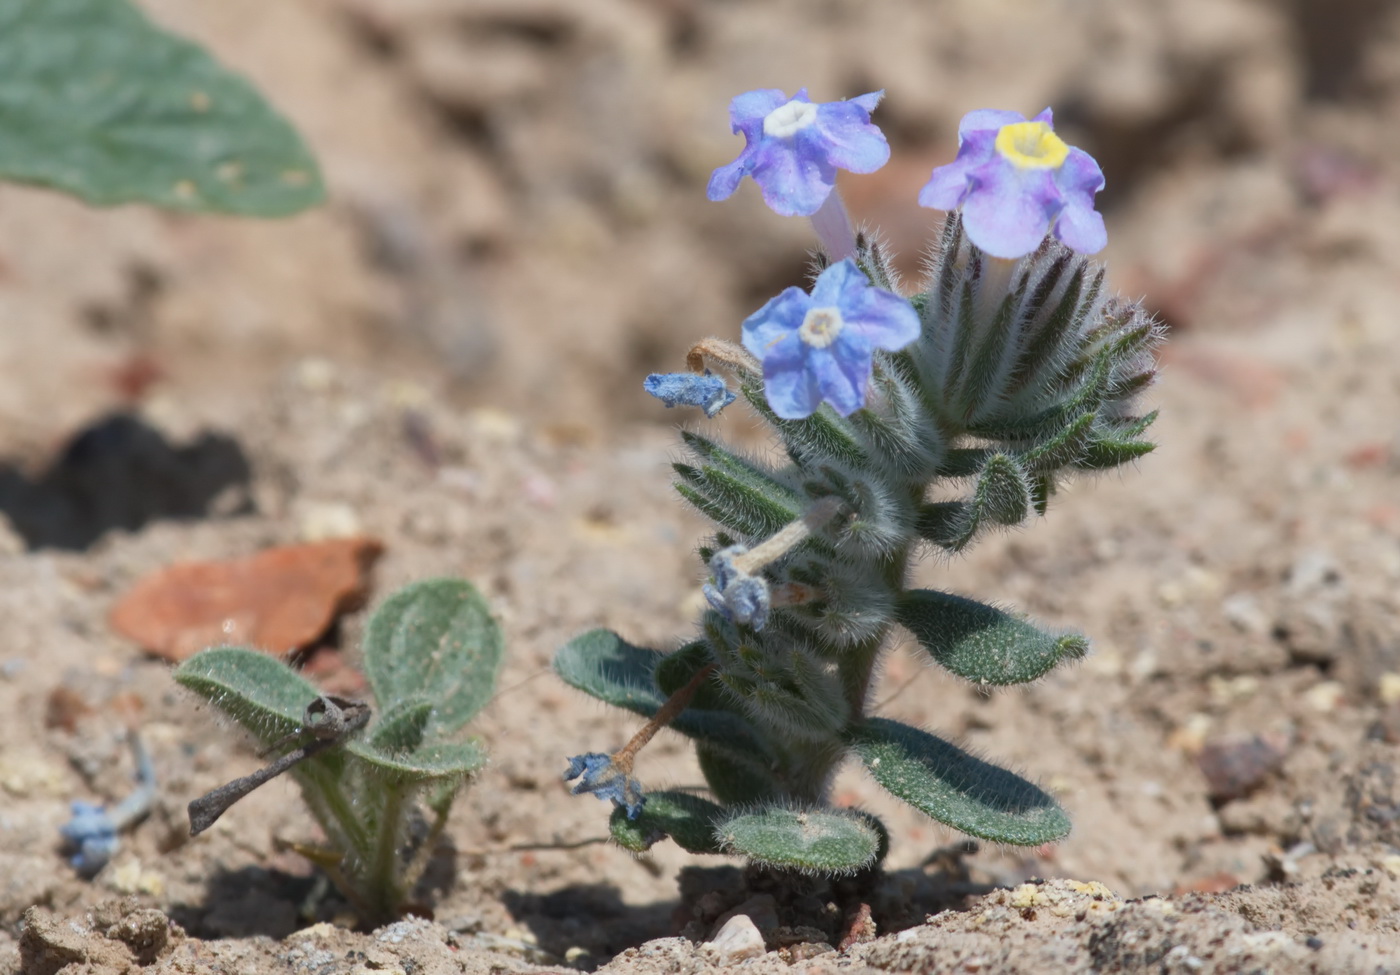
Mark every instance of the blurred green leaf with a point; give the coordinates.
(435, 762)
(434, 640)
(98, 102)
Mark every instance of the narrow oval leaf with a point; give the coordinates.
(820, 841)
(434, 640)
(100, 103)
(444, 761)
(604, 665)
(981, 643)
(945, 782)
(688, 819)
(260, 692)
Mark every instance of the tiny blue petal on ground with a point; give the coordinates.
(1016, 181)
(707, 391)
(794, 146)
(606, 781)
(819, 348)
(93, 833)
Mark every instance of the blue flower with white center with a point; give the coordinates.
(794, 147)
(602, 776)
(1016, 180)
(705, 390)
(819, 347)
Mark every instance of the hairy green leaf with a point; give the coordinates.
(819, 841)
(429, 763)
(1002, 494)
(434, 640)
(981, 643)
(604, 665)
(260, 692)
(98, 102)
(945, 782)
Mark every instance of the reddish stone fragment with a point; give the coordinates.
(279, 600)
(1236, 766)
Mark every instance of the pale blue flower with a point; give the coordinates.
(93, 834)
(602, 777)
(819, 347)
(706, 390)
(794, 147)
(1016, 181)
(734, 594)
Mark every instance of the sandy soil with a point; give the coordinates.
(448, 357)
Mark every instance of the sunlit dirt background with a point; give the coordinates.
(448, 357)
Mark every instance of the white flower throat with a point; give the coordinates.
(787, 120)
(820, 327)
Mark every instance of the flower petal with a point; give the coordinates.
(842, 371)
(791, 388)
(868, 101)
(779, 318)
(844, 132)
(883, 319)
(725, 180)
(1008, 212)
(950, 184)
(985, 119)
(747, 111)
(947, 187)
(1079, 174)
(793, 184)
(838, 286)
(1079, 227)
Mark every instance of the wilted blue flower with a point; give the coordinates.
(94, 835)
(1015, 181)
(736, 595)
(606, 781)
(794, 147)
(706, 391)
(818, 347)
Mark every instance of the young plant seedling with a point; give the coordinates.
(431, 653)
(905, 424)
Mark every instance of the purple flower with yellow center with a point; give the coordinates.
(1016, 180)
(819, 347)
(794, 147)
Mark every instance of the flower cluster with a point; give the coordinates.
(1014, 181)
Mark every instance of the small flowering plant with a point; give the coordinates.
(907, 423)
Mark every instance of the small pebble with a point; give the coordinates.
(1234, 767)
(737, 940)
